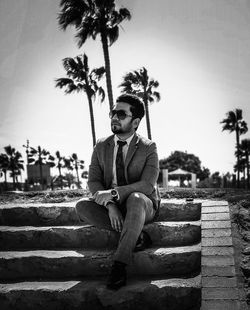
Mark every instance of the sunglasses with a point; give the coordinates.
(121, 114)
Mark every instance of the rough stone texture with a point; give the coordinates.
(220, 232)
(220, 293)
(221, 305)
(56, 214)
(57, 237)
(219, 282)
(58, 264)
(215, 209)
(245, 265)
(220, 241)
(181, 211)
(215, 217)
(59, 226)
(228, 271)
(215, 224)
(217, 261)
(218, 250)
(172, 294)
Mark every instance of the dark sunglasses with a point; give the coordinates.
(121, 114)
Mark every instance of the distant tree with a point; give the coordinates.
(245, 153)
(92, 18)
(74, 163)
(140, 84)
(40, 157)
(59, 163)
(80, 78)
(4, 165)
(234, 123)
(70, 179)
(15, 162)
(185, 161)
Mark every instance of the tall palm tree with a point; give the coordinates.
(92, 18)
(245, 149)
(80, 78)
(15, 162)
(40, 157)
(4, 165)
(140, 84)
(234, 122)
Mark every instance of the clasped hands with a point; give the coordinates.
(104, 198)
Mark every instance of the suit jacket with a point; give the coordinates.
(141, 168)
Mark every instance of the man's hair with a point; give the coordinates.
(137, 106)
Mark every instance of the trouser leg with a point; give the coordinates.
(93, 213)
(139, 210)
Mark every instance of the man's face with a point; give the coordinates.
(122, 126)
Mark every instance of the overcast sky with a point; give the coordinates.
(198, 50)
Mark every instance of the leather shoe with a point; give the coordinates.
(118, 276)
(143, 242)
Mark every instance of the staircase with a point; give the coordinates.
(49, 260)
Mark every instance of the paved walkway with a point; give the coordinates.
(219, 282)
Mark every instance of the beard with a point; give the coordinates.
(118, 129)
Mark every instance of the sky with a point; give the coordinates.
(198, 50)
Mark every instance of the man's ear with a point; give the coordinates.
(136, 122)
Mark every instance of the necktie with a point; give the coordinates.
(120, 174)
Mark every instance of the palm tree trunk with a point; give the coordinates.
(107, 69)
(238, 157)
(60, 174)
(248, 172)
(41, 175)
(5, 180)
(91, 113)
(147, 118)
(77, 175)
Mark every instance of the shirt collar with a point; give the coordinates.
(127, 140)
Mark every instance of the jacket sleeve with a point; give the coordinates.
(148, 178)
(95, 178)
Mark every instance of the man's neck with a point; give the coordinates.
(125, 136)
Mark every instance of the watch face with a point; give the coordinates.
(114, 193)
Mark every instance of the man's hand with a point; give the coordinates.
(102, 197)
(115, 217)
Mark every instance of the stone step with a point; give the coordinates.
(171, 294)
(58, 237)
(57, 214)
(51, 264)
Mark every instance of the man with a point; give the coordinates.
(122, 180)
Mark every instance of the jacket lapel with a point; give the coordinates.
(109, 160)
(131, 150)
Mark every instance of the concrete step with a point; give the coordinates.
(57, 214)
(58, 237)
(171, 294)
(76, 263)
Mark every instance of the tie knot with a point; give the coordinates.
(121, 143)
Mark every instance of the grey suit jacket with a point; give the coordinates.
(141, 168)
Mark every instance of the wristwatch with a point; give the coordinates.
(114, 195)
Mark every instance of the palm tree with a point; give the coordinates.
(15, 162)
(140, 84)
(4, 165)
(235, 122)
(245, 149)
(72, 163)
(59, 166)
(92, 18)
(80, 78)
(40, 157)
